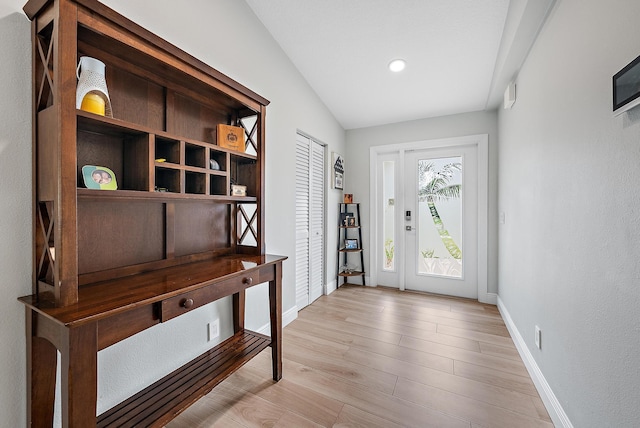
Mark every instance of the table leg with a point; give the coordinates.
(275, 308)
(80, 377)
(238, 311)
(42, 358)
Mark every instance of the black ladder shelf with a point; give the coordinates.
(347, 232)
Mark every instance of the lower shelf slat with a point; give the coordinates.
(165, 399)
(357, 273)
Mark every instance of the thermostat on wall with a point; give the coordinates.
(626, 87)
(510, 95)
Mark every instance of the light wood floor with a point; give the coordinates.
(376, 357)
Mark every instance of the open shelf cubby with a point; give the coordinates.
(167, 150)
(195, 182)
(195, 155)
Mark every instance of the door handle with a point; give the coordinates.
(407, 228)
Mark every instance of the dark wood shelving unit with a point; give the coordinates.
(109, 264)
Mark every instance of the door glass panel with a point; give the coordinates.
(388, 216)
(440, 217)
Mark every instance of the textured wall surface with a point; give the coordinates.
(570, 246)
(15, 211)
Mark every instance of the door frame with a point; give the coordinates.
(481, 141)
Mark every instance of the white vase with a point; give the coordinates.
(91, 80)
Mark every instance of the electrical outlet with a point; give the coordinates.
(503, 217)
(214, 330)
(538, 337)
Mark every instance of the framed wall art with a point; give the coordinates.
(338, 171)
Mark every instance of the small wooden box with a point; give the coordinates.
(238, 190)
(230, 137)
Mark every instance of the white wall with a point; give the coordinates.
(226, 35)
(357, 165)
(570, 246)
(15, 211)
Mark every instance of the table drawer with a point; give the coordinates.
(185, 302)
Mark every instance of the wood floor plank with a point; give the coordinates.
(314, 343)
(358, 330)
(418, 315)
(374, 402)
(490, 394)
(418, 333)
(352, 417)
(495, 377)
(542, 411)
(457, 354)
(393, 297)
(245, 408)
(419, 303)
(295, 398)
(473, 334)
(457, 313)
(479, 309)
(509, 352)
(356, 304)
(311, 327)
(204, 414)
(343, 312)
(378, 357)
(384, 348)
(402, 325)
(464, 407)
(353, 372)
(290, 420)
(436, 301)
(426, 333)
(414, 356)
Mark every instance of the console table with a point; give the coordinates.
(106, 313)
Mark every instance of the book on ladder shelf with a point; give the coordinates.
(350, 252)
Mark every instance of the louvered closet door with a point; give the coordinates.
(309, 220)
(302, 221)
(316, 210)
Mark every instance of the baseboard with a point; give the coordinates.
(330, 288)
(553, 406)
(287, 318)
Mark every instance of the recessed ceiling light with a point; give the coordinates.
(397, 65)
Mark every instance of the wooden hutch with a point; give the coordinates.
(111, 263)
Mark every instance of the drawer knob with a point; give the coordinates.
(186, 303)
(247, 281)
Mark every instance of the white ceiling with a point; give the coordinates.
(460, 53)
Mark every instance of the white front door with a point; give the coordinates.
(440, 221)
(429, 226)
